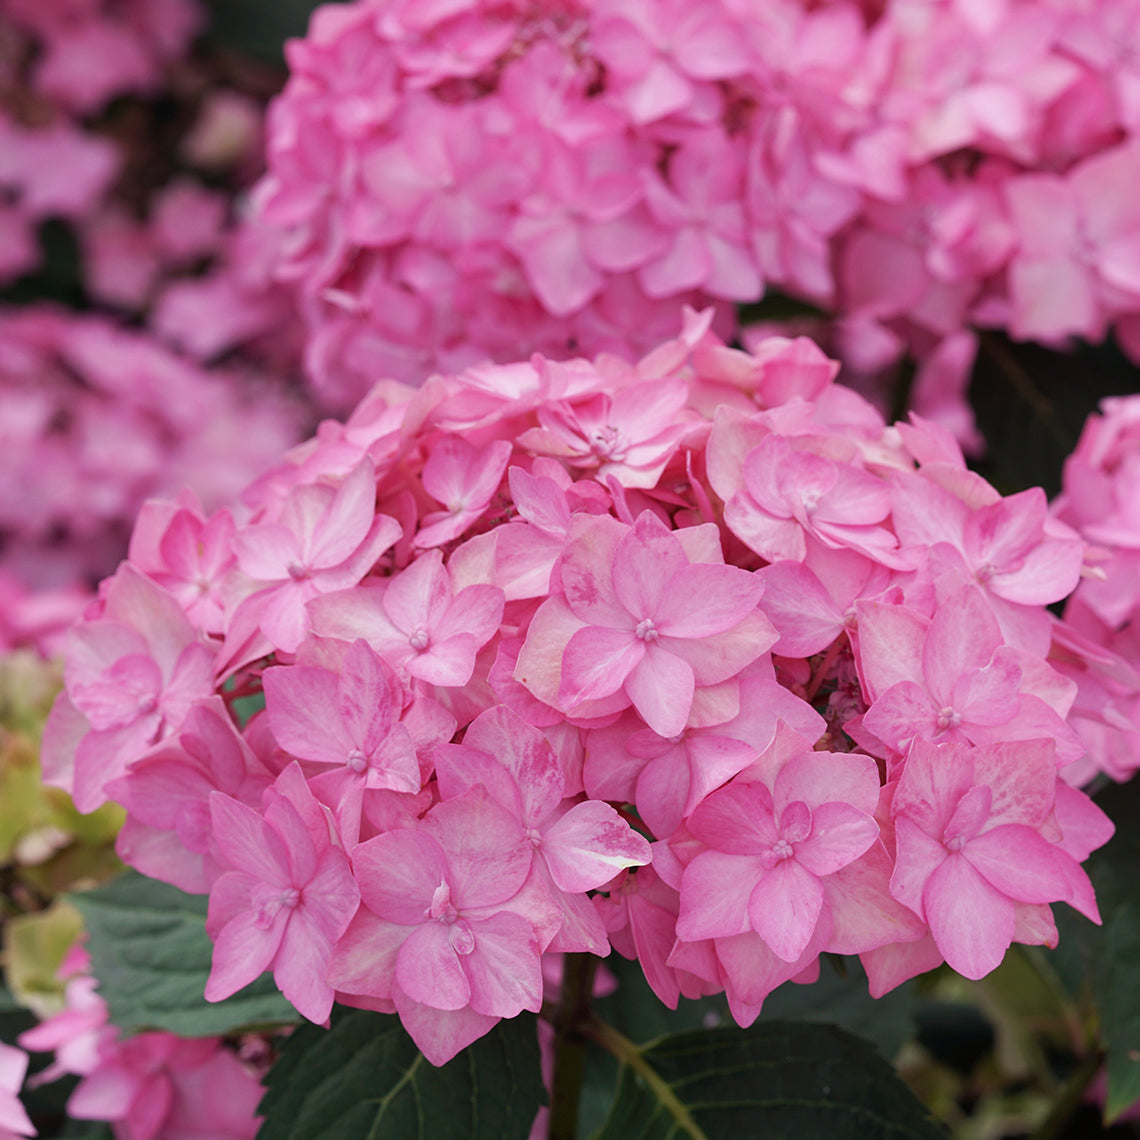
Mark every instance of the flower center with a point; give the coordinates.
(269, 900)
(646, 630)
(609, 443)
(357, 761)
(948, 718)
(442, 909)
(419, 640)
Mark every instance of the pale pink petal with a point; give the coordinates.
(589, 845)
(972, 922)
(597, 662)
(715, 889)
(428, 968)
(784, 908)
(661, 688)
(504, 971)
(840, 834)
(1019, 862)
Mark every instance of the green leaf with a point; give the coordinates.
(364, 1079)
(151, 954)
(1110, 953)
(774, 1081)
(258, 27)
(843, 1000)
(1118, 997)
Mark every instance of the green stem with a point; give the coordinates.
(629, 1054)
(569, 1018)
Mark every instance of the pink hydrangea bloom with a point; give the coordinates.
(776, 681)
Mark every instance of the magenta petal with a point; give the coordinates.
(587, 575)
(784, 908)
(738, 819)
(661, 688)
(972, 922)
(487, 854)
(428, 969)
(961, 638)
(367, 696)
(363, 961)
(299, 704)
(105, 1094)
(248, 843)
(417, 597)
(522, 751)
(918, 857)
(449, 663)
(460, 767)
(476, 611)
(662, 791)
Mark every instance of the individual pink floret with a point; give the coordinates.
(640, 615)
(768, 848)
(973, 857)
(287, 898)
(446, 931)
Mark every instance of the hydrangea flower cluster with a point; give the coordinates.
(83, 53)
(1101, 500)
(95, 419)
(152, 1086)
(486, 178)
(63, 61)
(155, 238)
(694, 657)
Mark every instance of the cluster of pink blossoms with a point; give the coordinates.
(487, 178)
(179, 252)
(94, 419)
(695, 658)
(153, 1086)
(1101, 500)
(60, 61)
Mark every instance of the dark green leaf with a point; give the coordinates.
(1103, 960)
(774, 1081)
(843, 1000)
(635, 1010)
(151, 954)
(1118, 997)
(86, 1130)
(364, 1079)
(258, 27)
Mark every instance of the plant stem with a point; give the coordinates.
(569, 1020)
(629, 1054)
